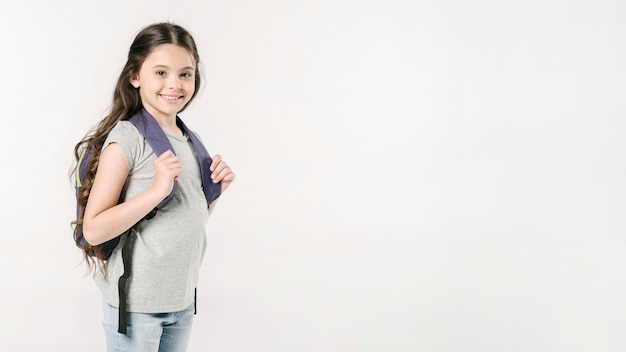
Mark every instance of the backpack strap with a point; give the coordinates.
(211, 190)
(156, 138)
(122, 283)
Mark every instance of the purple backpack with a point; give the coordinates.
(156, 138)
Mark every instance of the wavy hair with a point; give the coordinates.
(126, 102)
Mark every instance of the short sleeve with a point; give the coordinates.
(127, 137)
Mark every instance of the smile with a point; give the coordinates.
(171, 98)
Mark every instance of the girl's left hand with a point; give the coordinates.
(221, 172)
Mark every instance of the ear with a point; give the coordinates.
(134, 80)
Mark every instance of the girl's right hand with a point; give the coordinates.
(167, 169)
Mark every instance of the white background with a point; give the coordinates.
(411, 175)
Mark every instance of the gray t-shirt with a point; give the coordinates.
(170, 247)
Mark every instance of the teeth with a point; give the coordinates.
(169, 97)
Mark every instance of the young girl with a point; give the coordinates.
(125, 181)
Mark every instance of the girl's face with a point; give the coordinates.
(166, 80)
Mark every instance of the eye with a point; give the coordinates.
(185, 75)
(160, 73)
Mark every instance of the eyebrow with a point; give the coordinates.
(164, 66)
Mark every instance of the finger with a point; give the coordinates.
(175, 169)
(219, 169)
(177, 173)
(166, 154)
(222, 174)
(170, 166)
(174, 174)
(227, 180)
(171, 162)
(230, 177)
(216, 160)
(166, 159)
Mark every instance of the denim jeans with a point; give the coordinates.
(147, 332)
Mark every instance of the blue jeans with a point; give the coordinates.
(147, 332)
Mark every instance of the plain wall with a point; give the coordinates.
(411, 175)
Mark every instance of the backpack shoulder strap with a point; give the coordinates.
(211, 190)
(156, 138)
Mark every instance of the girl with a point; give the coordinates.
(124, 182)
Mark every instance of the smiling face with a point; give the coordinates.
(166, 81)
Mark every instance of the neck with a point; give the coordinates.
(166, 121)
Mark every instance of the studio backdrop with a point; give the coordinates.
(411, 175)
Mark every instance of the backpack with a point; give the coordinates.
(156, 138)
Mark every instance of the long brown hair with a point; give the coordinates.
(126, 102)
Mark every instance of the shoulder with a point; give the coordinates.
(126, 135)
(125, 127)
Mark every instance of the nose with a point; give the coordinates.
(174, 82)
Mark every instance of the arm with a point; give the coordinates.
(105, 219)
(221, 172)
